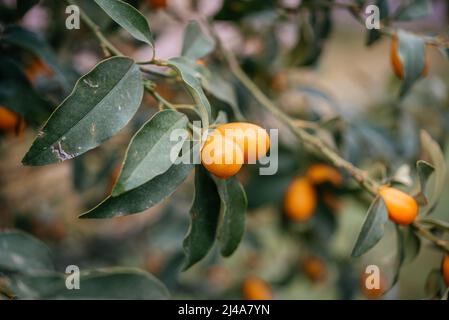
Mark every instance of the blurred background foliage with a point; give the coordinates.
(314, 63)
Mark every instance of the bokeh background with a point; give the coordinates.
(355, 82)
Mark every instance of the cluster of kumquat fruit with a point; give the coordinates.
(231, 145)
(301, 198)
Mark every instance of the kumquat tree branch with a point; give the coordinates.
(255, 181)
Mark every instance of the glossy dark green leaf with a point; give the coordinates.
(373, 228)
(424, 170)
(101, 104)
(231, 226)
(143, 197)
(411, 52)
(196, 44)
(374, 34)
(415, 9)
(149, 152)
(31, 41)
(204, 215)
(191, 78)
(113, 283)
(17, 94)
(436, 156)
(129, 18)
(20, 252)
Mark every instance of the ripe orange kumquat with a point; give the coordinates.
(300, 200)
(368, 287)
(322, 173)
(314, 268)
(402, 208)
(157, 4)
(445, 269)
(221, 156)
(256, 289)
(252, 139)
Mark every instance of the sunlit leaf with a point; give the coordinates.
(129, 18)
(204, 215)
(100, 105)
(150, 150)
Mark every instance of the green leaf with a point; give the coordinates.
(17, 94)
(143, 197)
(215, 85)
(204, 215)
(115, 283)
(196, 45)
(31, 41)
(231, 226)
(191, 78)
(372, 229)
(408, 247)
(149, 152)
(20, 252)
(101, 104)
(129, 18)
(416, 9)
(411, 52)
(433, 150)
(36, 286)
(384, 11)
(424, 170)
(112, 283)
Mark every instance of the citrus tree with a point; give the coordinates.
(388, 160)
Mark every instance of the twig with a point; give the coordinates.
(104, 42)
(425, 233)
(308, 139)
